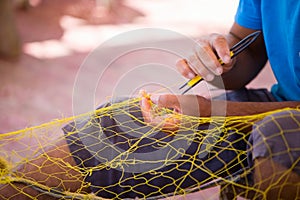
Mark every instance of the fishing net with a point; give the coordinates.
(118, 156)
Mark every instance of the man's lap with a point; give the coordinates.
(175, 172)
(114, 182)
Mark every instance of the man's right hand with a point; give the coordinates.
(204, 60)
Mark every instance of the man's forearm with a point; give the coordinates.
(229, 108)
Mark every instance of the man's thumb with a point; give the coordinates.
(165, 100)
(155, 98)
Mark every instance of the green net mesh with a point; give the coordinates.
(124, 157)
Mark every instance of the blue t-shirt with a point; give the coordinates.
(280, 22)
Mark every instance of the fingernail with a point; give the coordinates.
(141, 92)
(154, 98)
(191, 75)
(219, 70)
(209, 77)
(143, 102)
(226, 59)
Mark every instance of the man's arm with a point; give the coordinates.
(247, 108)
(199, 106)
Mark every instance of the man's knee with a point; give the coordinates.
(277, 137)
(275, 151)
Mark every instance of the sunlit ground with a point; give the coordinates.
(190, 17)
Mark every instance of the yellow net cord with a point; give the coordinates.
(125, 158)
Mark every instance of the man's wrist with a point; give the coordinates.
(204, 106)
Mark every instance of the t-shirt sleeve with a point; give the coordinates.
(248, 14)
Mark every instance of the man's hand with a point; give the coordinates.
(205, 58)
(154, 109)
(236, 72)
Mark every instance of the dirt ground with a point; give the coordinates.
(62, 38)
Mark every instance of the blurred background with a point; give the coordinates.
(45, 43)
